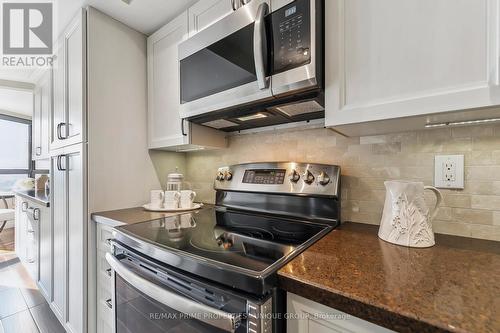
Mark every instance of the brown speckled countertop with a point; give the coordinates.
(451, 287)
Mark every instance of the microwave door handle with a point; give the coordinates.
(227, 322)
(260, 45)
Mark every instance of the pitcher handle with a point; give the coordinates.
(439, 198)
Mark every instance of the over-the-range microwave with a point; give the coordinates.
(258, 66)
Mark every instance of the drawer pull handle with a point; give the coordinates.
(108, 271)
(109, 304)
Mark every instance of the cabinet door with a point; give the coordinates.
(165, 127)
(75, 38)
(46, 109)
(76, 240)
(45, 254)
(396, 59)
(311, 317)
(41, 116)
(36, 123)
(20, 229)
(204, 13)
(68, 125)
(58, 117)
(59, 217)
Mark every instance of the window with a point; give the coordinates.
(15, 151)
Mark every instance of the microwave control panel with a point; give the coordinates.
(291, 36)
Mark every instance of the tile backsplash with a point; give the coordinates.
(367, 162)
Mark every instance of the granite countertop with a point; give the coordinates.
(451, 287)
(39, 197)
(115, 218)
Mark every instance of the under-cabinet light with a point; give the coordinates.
(185, 150)
(465, 122)
(252, 117)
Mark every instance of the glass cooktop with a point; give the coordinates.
(245, 240)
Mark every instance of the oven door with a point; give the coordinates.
(226, 64)
(147, 299)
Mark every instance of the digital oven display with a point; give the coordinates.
(290, 11)
(267, 176)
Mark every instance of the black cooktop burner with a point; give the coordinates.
(244, 240)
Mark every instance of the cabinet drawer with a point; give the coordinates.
(103, 234)
(103, 326)
(103, 269)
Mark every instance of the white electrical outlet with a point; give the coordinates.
(449, 171)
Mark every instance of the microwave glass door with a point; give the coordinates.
(221, 66)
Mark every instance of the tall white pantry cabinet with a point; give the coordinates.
(98, 143)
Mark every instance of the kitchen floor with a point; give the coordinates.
(22, 308)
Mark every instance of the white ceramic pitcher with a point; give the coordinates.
(406, 219)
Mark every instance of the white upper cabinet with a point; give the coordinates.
(165, 124)
(68, 125)
(416, 58)
(166, 129)
(205, 12)
(41, 116)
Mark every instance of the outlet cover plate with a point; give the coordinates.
(449, 171)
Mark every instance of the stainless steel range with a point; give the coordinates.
(215, 270)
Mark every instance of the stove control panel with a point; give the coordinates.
(280, 177)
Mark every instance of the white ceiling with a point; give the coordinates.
(14, 102)
(145, 16)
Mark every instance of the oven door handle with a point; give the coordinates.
(260, 45)
(225, 321)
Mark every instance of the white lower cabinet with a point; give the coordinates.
(70, 234)
(306, 316)
(33, 242)
(104, 283)
(44, 276)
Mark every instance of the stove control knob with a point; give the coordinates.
(294, 176)
(220, 176)
(228, 175)
(323, 178)
(308, 177)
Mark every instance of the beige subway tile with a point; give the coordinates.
(371, 207)
(386, 172)
(485, 232)
(471, 131)
(479, 157)
(486, 202)
(485, 143)
(483, 187)
(496, 218)
(360, 149)
(417, 173)
(457, 200)
(451, 228)
(475, 216)
(369, 218)
(433, 135)
(484, 173)
(495, 156)
(386, 148)
(365, 195)
(457, 145)
(349, 181)
(373, 183)
(366, 140)
(444, 214)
